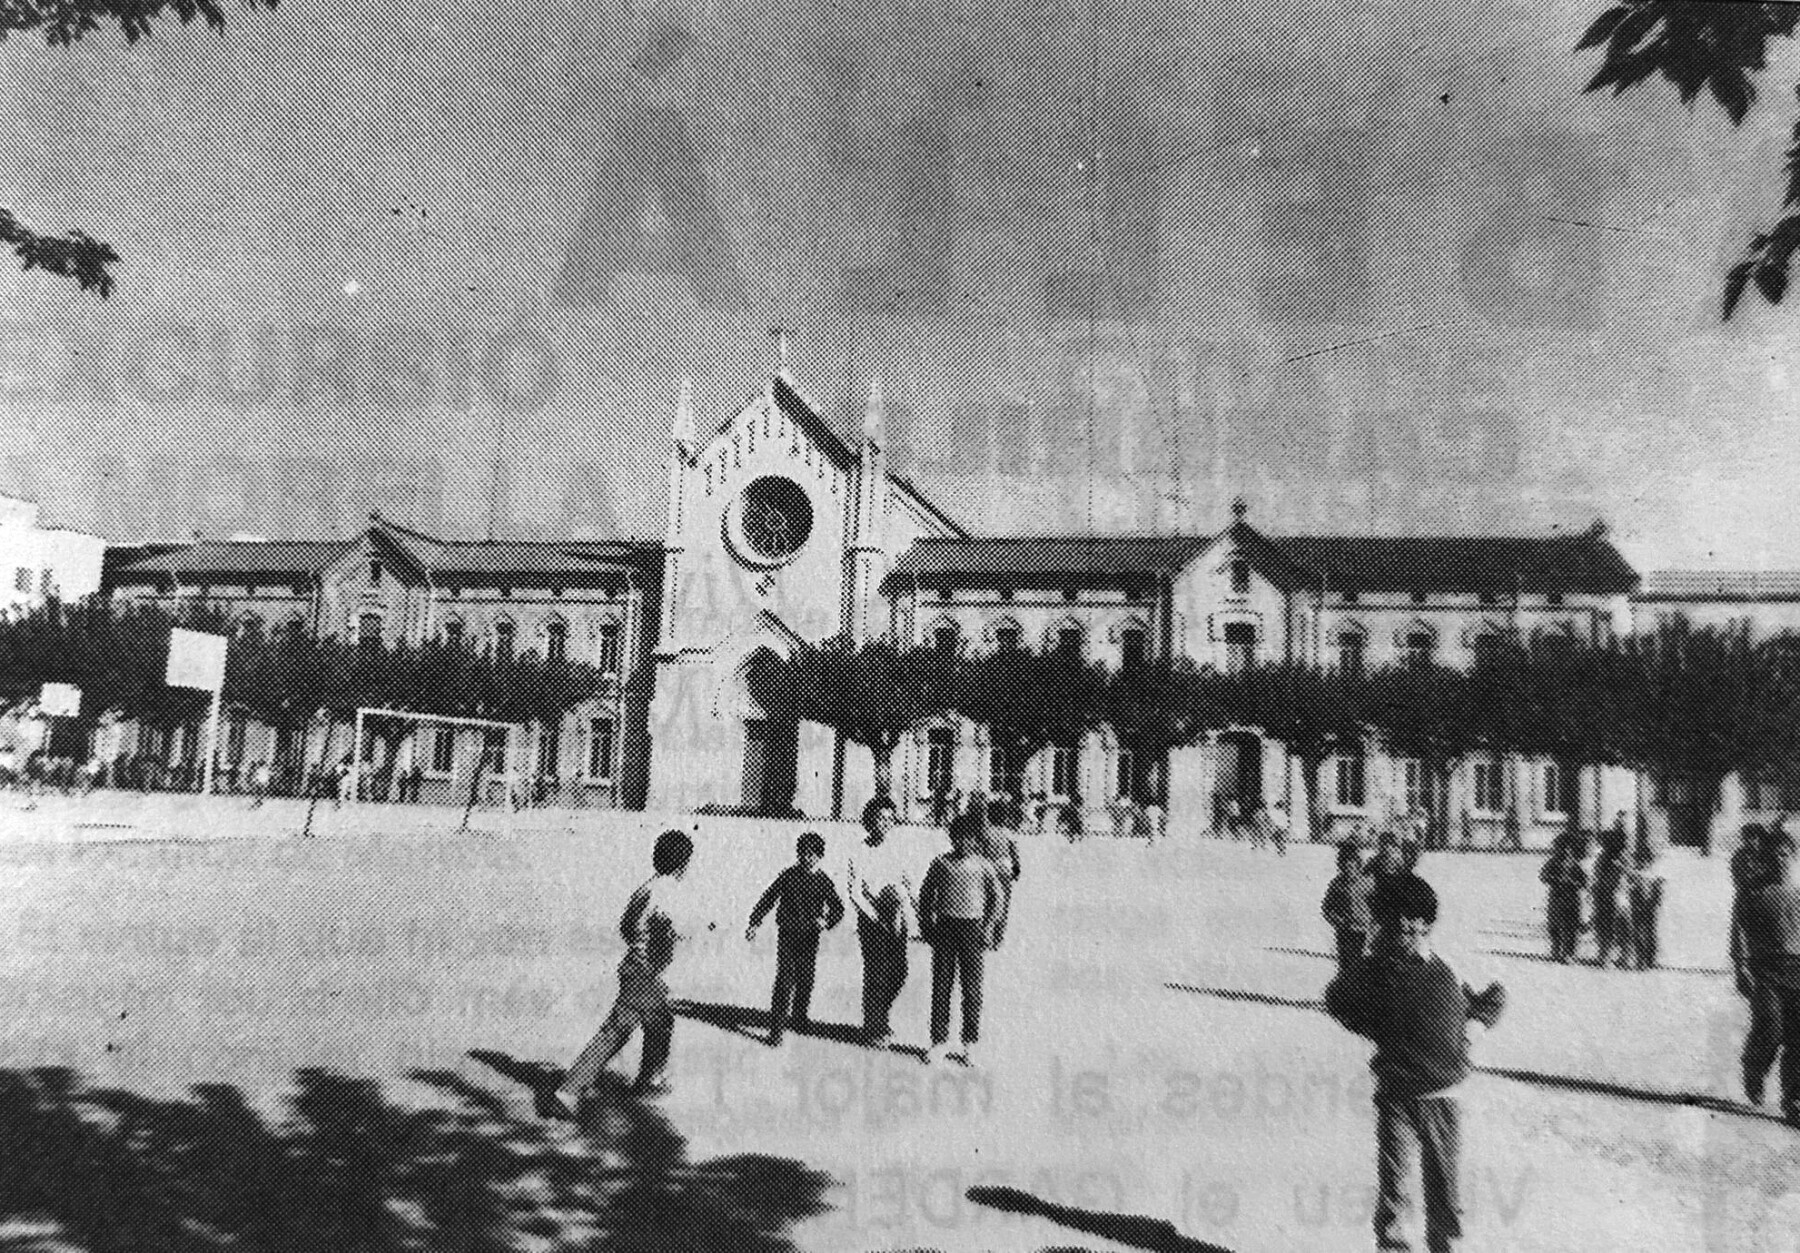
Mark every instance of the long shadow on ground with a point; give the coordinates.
(1256, 998)
(345, 1169)
(1570, 1083)
(1523, 955)
(1136, 1231)
(754, 1023)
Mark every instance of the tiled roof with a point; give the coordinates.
(211, 558)
(1467, 563)
(1048, 555)
(496, 557)
(526, 557)
(1577, 563)
(474, 559)
(1727, 585)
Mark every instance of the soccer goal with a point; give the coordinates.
(479, 758)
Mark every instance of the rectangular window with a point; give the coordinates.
(1490, 787)
(606, 649)
(944, 638)
(1240, 578)
(236, 733)
(1133, 647)
(22, 580)
(47, 584)
(1068, 641)
(603, 739)
(549, 759)
(1560, 784)
(1128, 769)
(940, 747)
(1006, 773)
(1352, 782)
(493, 751)
(1352, 652)
(443, 750)
(1240, 647)
(1412, 785)
(1006, 639)
(374, 574)
(1421, 647)
(1064, 761)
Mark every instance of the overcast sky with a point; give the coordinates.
(1374, 267)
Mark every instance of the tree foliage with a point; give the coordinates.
(872, 692)
(1312, 711)
(76, 254)
(1165, 704)
(1717, 48)
(117, 653)
(1028, 700)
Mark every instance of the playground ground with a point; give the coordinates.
(1155, 1072)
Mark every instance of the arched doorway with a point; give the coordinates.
(771, 751)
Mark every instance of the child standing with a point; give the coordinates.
(959, 907)
(806, 904)
(1421, 1018)
(881, 892)
(657, 919)
(1612, 902)
(1346, 905)
(1566, 878)
(1646, 882)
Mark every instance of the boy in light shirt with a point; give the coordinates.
(881, 891)
(658, 918)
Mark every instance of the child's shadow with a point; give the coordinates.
(754, 1024)
(534, 1075)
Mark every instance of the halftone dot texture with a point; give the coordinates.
(1375, 267)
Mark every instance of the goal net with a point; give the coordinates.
(470, 763)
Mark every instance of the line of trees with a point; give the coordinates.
(117, 654)
(1695, 703)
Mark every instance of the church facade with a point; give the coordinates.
(779, 530)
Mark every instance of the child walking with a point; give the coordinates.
(1566, 878)
(806, 904)
(657, 919)
(959, 907)
(1346, 905)
(1421, 1018)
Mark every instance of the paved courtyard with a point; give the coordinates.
(1155, 1072)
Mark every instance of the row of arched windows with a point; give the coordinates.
(1067, 637)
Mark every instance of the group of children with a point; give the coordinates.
(1619, 899)
(1391, 988)
(959, 908)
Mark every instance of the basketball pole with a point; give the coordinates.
(212, 743)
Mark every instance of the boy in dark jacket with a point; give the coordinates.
(806, 903)
(1346, 905)
(1419, 1015)
(1566, 877)
(1768, 917)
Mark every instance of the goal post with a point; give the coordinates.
(486, 772)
